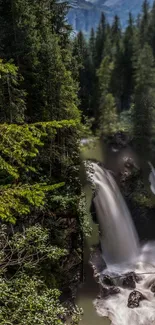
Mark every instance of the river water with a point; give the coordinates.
(89, 289)
(141, 260)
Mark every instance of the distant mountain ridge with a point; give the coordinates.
(85, 14)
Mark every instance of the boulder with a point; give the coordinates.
(106, 292)
(130, 279)
(153, 287)
(134, 299)
(107, 280)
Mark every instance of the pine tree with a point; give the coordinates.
(100, 40)
(144, 98)
(39, 44)
(151, 29)
(86, 73)
(12, 96)
(127, 61)
(92, 48)
(144, 24)
(107, 116)
(116, 32)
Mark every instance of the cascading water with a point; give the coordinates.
(119, 240)
(122, 254)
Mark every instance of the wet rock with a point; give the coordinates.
(138, 278)
(153, 288)
(130, 279)
(107, 280)
(134, 299)
(129, 282)
(97, 262)
(106, 292)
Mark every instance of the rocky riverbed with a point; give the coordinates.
(126, 297)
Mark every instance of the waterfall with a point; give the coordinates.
(122, 253)
(119, 239)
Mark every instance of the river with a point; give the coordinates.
(89, 289)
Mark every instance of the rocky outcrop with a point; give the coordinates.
(107, 280)
(96, 261)
(84, 14)
(135, 189)
(133, 182)
(129, 280)
(107, 292)
(135, 298)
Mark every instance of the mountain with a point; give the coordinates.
(84, 15)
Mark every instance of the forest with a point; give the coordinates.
(56, 89)
(117, 76)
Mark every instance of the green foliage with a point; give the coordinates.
(100, 40)
(12, 97)
(27, 300)
(104, 74)
(108, 115)
(85, 73)
(21, 199)
(125, 122)
(120, 61)
(36, 37)
(39, 183)
(143, 200)
(144, 24)
(84, 216)
(27, 250)
(20, 144)
(144, 98)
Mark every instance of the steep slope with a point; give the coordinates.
(85, 14)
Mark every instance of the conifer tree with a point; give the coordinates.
(144, 98)
(12, 96)
(151, 29)
(144, 24)
(100, 40)
(107, 116)
(127, 62)
(86, 73)
(116, 32)
(92, 48)
(39, 44)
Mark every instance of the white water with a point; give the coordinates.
(122, 253)
(116, 309)
(118, 235)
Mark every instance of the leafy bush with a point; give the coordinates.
(27, 301)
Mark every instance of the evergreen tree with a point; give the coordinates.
(127, 62)
(144, 99)
(86, 74)
(39, 44)
(92, 48)
(12, 96)
(38, 159)
(144, 24)
(117, 57)
(100, 40)
(151, 29)
(116, 33)
(107, 117)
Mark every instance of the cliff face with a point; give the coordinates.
(84, 15)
